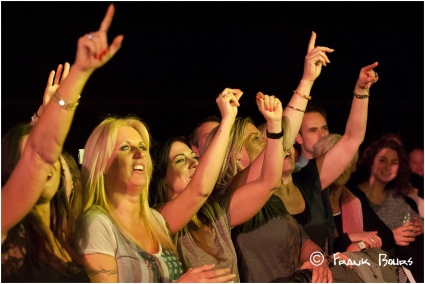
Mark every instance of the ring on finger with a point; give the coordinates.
(90, 36)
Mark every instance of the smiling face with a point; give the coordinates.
(181, 166)
(253, 144)
(126, 168)
(385, 165)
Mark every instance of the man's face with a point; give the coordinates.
(313, 127)
(203, 132)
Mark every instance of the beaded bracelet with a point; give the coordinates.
(294, 108)
(361, 96)
(304, 96)
(63, 104)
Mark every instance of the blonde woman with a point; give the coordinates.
(119, 237)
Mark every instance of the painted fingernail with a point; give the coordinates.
(104, 51)
(100, 56)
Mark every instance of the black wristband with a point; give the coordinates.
(274, 135)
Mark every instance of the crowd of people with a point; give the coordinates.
(281, 201)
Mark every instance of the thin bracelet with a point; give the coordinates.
(34, 119)
(63, 104)
(304, 96)
(294, 108)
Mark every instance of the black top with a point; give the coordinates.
(320, 225)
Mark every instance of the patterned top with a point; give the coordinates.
(393, 209)
(209, 244)
(17, 266)
(134, 265)
(269, 245)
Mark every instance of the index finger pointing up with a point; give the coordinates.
(312, 42)
(106, 22)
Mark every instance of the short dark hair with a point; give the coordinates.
(193, 137)
(316, 108)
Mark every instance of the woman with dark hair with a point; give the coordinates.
(36, 249)
(382, 178)
(205, 235)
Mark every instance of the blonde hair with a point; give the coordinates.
(230, 166)
(97, 151)
(325, 143)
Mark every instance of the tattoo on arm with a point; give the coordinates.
(99, 271)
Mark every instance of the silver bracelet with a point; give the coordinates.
(63, 104)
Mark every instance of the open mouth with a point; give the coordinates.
(139, 168)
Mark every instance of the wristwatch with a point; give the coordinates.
(361, 245)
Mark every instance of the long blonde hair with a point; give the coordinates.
(230, 165)
(97, 151)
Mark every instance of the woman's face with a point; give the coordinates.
(52, 182)
(385, 165)
(182, 164)
(126, 168)
(252, 146)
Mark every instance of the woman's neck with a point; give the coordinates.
(44, 212)
(126, 207)
(335, 197)
(374, 190)
(291, 196)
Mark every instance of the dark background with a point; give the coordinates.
(178, 56)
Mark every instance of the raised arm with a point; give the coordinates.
(178, 211)
(294, 111)
(334, 161)
(248, 199)
(45, 142)
(52, 85)
(314, 60)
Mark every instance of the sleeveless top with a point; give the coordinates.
(209, 244)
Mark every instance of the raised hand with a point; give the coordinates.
(367, 77)
(269, 106)
(54, 80)
(315, 58)
(228, 102)
(206, 274)
(93, 50)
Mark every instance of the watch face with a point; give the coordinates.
(361, 245)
